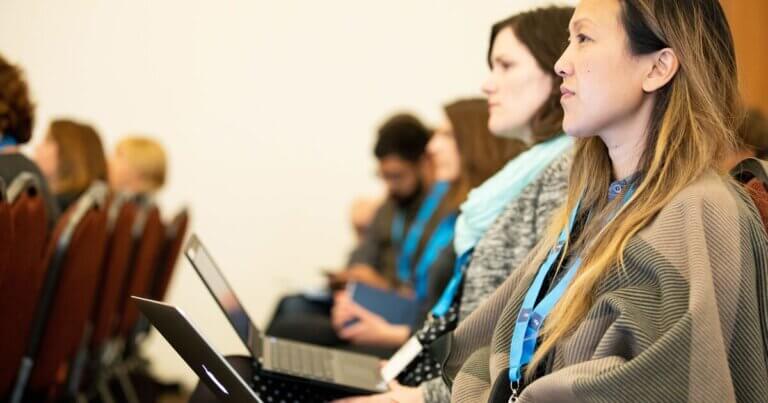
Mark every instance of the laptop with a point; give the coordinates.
(209, 365)
(340, 370)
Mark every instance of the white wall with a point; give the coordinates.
(268, 110)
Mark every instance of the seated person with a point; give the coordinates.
(464, 154)
(361, 215)
(138, 166)
(71, 157)
(404, 168)
(650, 285)
(505, 217)
(17, 118)
(753, 139)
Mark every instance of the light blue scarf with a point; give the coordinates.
(486, 202)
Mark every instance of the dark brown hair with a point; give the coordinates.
(482, 155)
(402, 135)
(544, 31)
(753, 133)
(17, 112)
(80, 154)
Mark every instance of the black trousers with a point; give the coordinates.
(308, 320)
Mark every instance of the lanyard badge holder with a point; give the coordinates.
(531, 316)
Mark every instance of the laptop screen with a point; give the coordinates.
(218, 286)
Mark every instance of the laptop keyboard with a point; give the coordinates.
(301, 360)
(275, 390)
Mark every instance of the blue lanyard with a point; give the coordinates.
(449, 294)
(440, 239)
(531, 316)
(416, 230)
(7, 141)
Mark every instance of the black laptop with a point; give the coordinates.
(339, 370)
(209, 365)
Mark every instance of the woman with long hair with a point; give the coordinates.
(504, 218)
(650, 283)
(464, 154)
(71, 157)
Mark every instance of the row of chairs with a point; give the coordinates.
(64, 295)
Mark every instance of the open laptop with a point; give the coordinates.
(209, 365)
(340, 370)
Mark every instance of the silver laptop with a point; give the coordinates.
(209, 365)
(341, 370)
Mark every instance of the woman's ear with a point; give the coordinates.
(665, 66)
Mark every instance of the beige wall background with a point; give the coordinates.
(268, 111)
(747, 19)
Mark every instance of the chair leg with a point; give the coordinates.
(77, 367)
(104, 393)
(25, 371)
(125, 384)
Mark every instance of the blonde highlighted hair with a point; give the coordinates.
(147, 157)
(689, 133)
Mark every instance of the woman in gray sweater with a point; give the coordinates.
(505, 217)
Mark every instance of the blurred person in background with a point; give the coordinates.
(17, 118)
(138, 166)
(505, 217)
(361, 215)
(71, 157)
(464, 154)
(753, 138)
(404, 168)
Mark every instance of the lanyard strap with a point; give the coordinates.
(441, 238)
(531, 316)
(416, 230)
(449, 294)
(7, 141)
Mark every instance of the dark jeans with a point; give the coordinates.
(309, 321)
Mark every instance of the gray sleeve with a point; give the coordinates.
(552, 193)
(371, 247)
(510, 239)
(435, 391)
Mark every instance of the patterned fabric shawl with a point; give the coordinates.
(684, 322)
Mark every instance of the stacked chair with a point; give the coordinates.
(71, 333)
(23, 277)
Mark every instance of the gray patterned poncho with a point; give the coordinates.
(684, 322)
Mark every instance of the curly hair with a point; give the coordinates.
(17, 112)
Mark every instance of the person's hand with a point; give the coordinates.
(341, 312)
(337, 281)
(372, 330)
(397, 394)
(367, 275)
